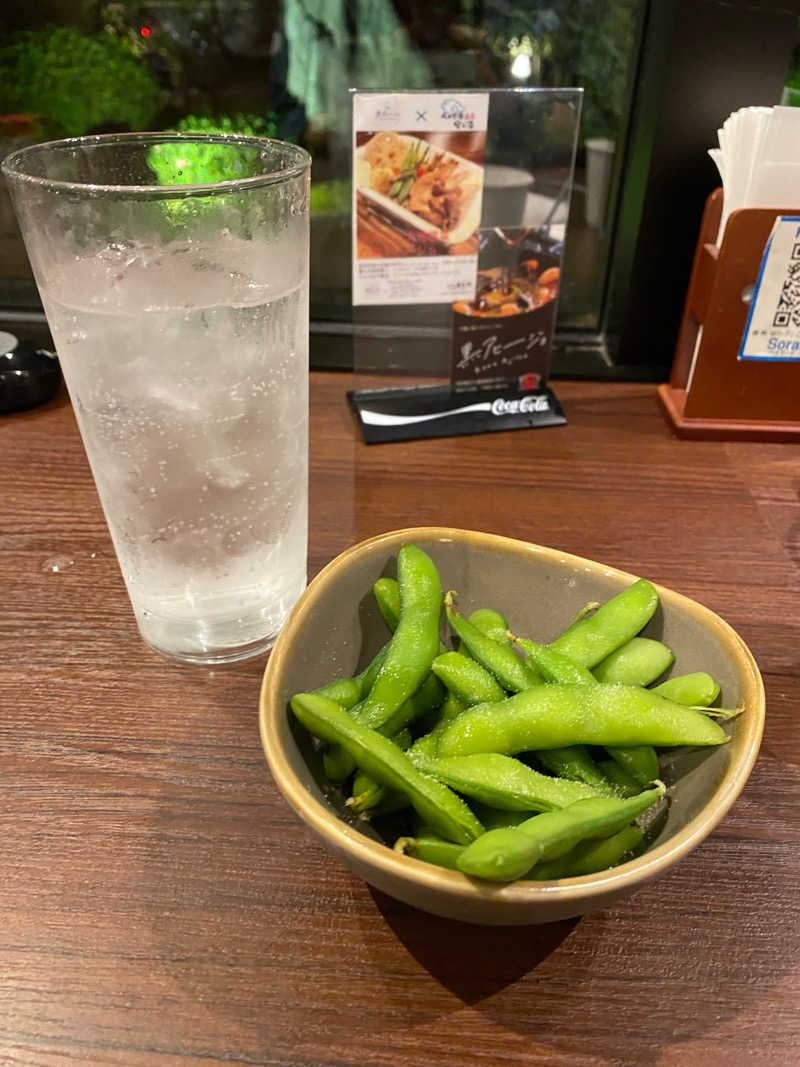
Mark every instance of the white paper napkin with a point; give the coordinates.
(758, 159)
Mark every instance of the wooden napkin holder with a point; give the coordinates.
(728, 398)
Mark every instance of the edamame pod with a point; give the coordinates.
(387, 597)
(415, 643)
(624, 785)
(695, 690)
(338, 765)
(382, 760)
(640, 763)
(502, 662)
(638, 662)
(492, 817)
(430, 848)
(559, 668)
(589, 857)
(587, 609)
(367, 794)
(576, 763)
(503, 782)
(615, 622)
(348, 691)
(555, 716)
(412, 649)
(465, 677)
(553, 665)
(423, 746)
(491, 623)
(503, 855)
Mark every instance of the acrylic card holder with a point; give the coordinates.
(460, 207)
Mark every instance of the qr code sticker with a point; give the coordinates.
(788, 309)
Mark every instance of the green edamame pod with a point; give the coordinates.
(348, 691)
(391, 801)
(638, 662)
(415, 643)
(430, 848)
(501, 661)
(491, 623)
(427, 698)
(615, 622)
(554, 666)
(503, 782)
(624, 785)
(587, 609)
(366, 793)
(411, 651)
(576, 763)
(555, 716)
(589, 857)
(467, 679)
(369, 796)
(425, 745)
(560, 669)
(493, 817)
(386, 763)
(640, 763)
(505, 854)
(387, 597)
(451, 708)
(338, 765)
(695, 690)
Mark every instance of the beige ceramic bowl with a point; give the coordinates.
(335, 629)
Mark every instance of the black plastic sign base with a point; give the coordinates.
(422, 411)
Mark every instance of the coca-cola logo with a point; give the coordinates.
(523, 405)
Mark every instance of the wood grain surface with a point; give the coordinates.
(159, 902)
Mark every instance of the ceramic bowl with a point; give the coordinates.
(335, 629)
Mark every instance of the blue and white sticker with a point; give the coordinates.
(772, 331)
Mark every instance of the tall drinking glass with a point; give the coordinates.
(173, 269)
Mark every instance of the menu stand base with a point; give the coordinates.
(422, 411)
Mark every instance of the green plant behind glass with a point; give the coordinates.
(75, 82)
(199, 164)
(180, 164)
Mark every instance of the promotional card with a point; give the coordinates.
(417, 196)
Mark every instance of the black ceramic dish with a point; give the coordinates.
(29, 376)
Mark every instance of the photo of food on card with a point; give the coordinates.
(504, 291)
(418, 194)
(505, 331)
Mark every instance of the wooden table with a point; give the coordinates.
(161, 904)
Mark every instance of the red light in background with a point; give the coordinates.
(145, 31)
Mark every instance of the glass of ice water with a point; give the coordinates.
(173, 269)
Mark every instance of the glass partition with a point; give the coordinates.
(285, 68)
